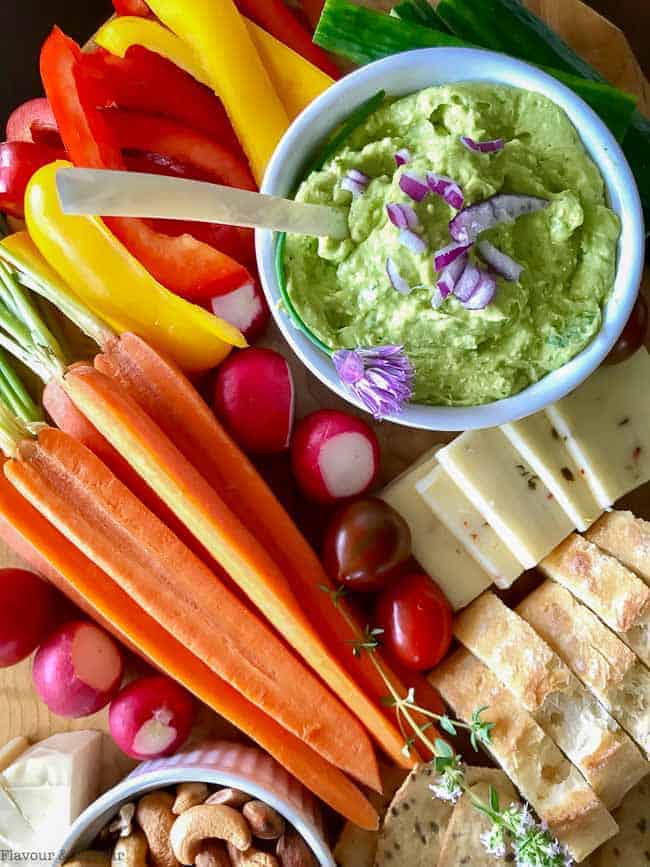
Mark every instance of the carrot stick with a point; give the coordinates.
(172, 402)
(87, 503)
(97, 594)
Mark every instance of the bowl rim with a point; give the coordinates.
(106, 807)
(331, 108)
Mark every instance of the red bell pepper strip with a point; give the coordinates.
(278, 20)
(160, 146)
(184, 265)
(19, 160)
(144, 81)
(312, 10)
(136, 131)
(131, 7)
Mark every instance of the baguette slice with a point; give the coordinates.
(545, 778)
(569, 714)
(595, 654)
(611, 590)
(625, 537)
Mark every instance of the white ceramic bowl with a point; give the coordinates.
(412, 71)
(218, 763)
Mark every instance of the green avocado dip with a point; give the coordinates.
(567, 250)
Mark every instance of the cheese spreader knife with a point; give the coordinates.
(98, 192)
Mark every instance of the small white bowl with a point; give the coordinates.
(219, 763)
(412, 71)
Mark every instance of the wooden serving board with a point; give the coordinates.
(603, 45)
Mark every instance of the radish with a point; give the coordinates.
(151, 717)
(334, 456)
(254, 397)
(245, 308)
(78, 670)
(27, 609)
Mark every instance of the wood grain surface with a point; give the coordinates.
(606, 47)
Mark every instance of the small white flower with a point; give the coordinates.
(446, 793)
(494, 842)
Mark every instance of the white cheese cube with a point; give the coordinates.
(606, 426)
(462, 518)
(508, 493)
(542, 447)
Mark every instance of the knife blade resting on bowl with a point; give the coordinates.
(103, 193)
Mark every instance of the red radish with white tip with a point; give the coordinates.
(334, 456)
(151, 717)
(78, 670)
(245, 308)
(255, 399)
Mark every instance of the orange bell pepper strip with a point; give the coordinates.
(116, 287)
(218, 35)
(188, 267)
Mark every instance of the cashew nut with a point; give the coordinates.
(89, 858)
(252, 858)
(155, 817)
(189, 795)
(292, 850)
(207, 822)
(266, 823)
(123, 824)
(213, 853)
(229, 798)
(131, 851)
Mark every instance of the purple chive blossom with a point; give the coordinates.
(402, 157)
(381, 377)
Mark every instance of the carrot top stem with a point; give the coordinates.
(57, 294)
(13, 430)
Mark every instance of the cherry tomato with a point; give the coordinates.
(366, 545)
(417, 621)
(634, 333)
(27, 611)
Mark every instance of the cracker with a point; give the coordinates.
(631, 846)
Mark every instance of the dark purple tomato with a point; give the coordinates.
(417, 620)
(366, 545)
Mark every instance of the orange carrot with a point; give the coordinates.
(240, 551)
(97, 594)
(173, 403)
(87, 503)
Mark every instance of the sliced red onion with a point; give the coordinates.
(413, 241)
(402, 216)
(402, 157)
(355, 182)
(468, 224)
(447, 254)
(414, 186)
(483, 294)
(437, 298)
(451, 275)
(483, 147)
(500, 262)
(448, 189)
(468, 282)
(397, 281)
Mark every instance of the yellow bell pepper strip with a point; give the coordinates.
(217, 33)
(297, 81)
(115, 286)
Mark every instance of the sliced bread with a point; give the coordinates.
(544, 777)
(613, 592)
(568, 712)
(625, 537)
(595, 654)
